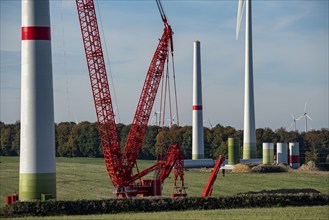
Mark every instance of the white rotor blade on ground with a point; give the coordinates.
(239, 17)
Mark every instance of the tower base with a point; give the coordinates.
(249, 151)
(32, 185)
(197, 156)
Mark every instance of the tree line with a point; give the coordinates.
(82, 140)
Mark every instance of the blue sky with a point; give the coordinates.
(290, 46)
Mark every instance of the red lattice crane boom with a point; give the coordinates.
(146, 101)
(119, 166)
(101, 90)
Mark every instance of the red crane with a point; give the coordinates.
(210, 184)
(120, 166)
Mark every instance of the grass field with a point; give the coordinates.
(86, 178)
(300, 213)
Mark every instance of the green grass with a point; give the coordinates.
(315, 212)
(86, 178)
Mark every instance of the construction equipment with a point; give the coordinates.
(210, 184)
(120, 166)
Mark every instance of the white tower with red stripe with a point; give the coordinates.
(37, 147)
(294, 155)
(197, 124)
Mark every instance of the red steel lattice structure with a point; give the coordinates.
(120, 167)
(100, 90)
(146, 101)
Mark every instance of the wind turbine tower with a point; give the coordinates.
(197, 128)
(249, 133)
(305, 115)
(37, 172)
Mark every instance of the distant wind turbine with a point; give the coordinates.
(305, 115)
(210, 123)
(294, 121)
(249, 133)
(156, 117)
(207, 120)
(172, 120)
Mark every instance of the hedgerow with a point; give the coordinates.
(86, 207)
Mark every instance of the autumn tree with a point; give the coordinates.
(82, 140)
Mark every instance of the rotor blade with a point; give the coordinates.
(300, 117)
(292, 123)
(293, 117)
(210, 123)
(308, 117)
(305, 107)
(239, 18)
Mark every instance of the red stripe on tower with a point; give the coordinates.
(197, 107)
(294, 159)
(35, 33)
